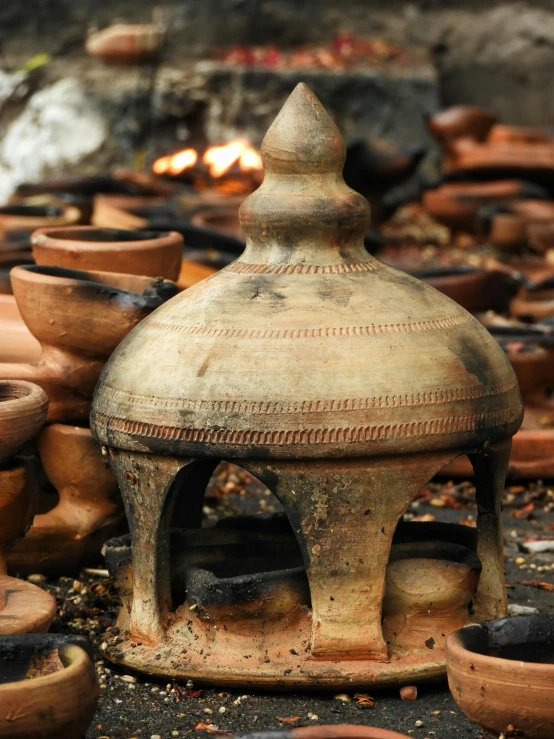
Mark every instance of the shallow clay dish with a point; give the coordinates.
(340, 731)
(48, 687)
(23, 409)
(501, 674)
(110, 249)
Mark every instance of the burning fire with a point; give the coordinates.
(218, 159)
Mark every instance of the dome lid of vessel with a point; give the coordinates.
(306, 346)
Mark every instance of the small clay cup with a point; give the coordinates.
(23, 410)
(89, 510)
(78, 318)
(501, 674)
(108, 249)
(48, 687)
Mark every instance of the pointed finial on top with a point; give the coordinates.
(303, 139)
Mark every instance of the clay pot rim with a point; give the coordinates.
(69, 238)
(457, 647)
(21, 391)
(65, 276)
(72, 655)
(339, 731)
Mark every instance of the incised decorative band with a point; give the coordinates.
(312, 333)
(234, 437)
(271, 407)
(247, 268)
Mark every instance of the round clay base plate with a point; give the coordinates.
(285, 672)
(28, 609)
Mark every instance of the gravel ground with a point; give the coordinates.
(135, 706)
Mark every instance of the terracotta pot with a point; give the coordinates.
(223, 219)
(461, 121)
(428, 584)
(28, 217)
(24, 607)
(89, 510)
(457, 204)
(502, 134)
(23, 409)
(78, 318)
(123, 43)
(127, 252)
(476, 290)
(337, 731)
(48, 687)
(19, 344)
(534, 303)
(534, 162)
(507, 224)
(501, 674)
(108, 216)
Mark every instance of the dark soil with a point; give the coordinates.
(136, 706)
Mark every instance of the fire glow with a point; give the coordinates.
(217, 159)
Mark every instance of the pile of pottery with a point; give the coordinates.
(65, 318)
(36, 667)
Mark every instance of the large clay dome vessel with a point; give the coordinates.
(306, 345)
(344, 385)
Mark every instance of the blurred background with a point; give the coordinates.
(224, 67)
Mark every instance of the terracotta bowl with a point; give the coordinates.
(501, 674)
(474, 289)
(457, 204)
(115, 250)
(89, 510)
(461, 121)
(78, 318)
(48, 687)
(23, 409)
(27, 217)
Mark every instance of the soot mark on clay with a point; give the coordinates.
(205, 364)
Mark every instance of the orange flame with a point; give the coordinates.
(176, 163)
(218, 159)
